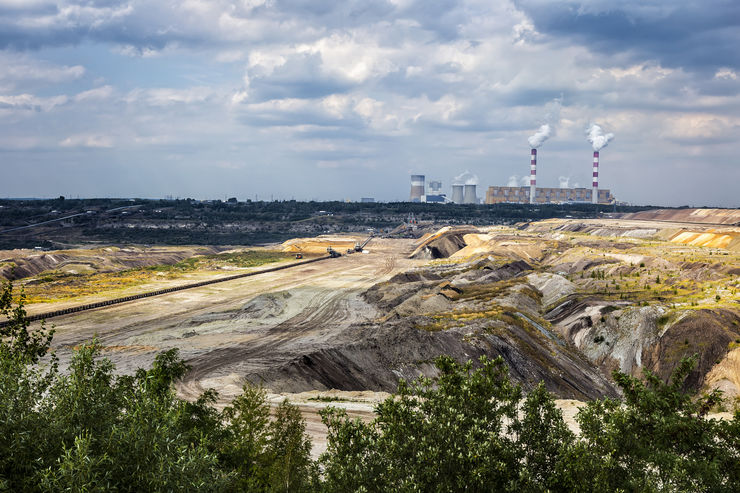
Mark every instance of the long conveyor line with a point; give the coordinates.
(115, 301)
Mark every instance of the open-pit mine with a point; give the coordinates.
(563, 301)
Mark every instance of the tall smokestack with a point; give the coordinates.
(417, 188)
(533, 176)
(595, 193)
(457, 193)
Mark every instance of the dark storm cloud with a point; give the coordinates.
(697, 36)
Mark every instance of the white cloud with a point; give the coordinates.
(19, 69)
(29, 102)
(169, 96)
(87, 140)
(725, 73)
(97, 94)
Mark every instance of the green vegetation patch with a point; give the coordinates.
(245, 259)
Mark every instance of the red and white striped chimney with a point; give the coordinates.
(533, 176)
(595, 193)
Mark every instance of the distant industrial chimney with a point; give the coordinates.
(417, 188)
(469, 196)
(595, 193)
(533, 176)
(457, 194)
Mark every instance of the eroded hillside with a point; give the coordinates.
(562, 301)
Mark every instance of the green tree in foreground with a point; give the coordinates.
(472, 430)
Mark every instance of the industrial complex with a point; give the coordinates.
(466, 193)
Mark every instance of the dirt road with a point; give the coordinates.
(242, 329)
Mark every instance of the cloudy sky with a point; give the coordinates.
(318, 99)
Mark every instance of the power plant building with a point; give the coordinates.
(521, 195)
(434, 192)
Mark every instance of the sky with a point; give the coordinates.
(336, 100)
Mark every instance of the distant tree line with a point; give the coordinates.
(469, 429)
(187, 221)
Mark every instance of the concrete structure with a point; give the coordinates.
(435, 188)
(521, 195)
(532, 176)
(457, 194)
(418, 193)
(469, 195)
(595, 186)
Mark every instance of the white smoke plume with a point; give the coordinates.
(595, 134)
(564, 181)
(540, 136)
(513, 181)
(525, 181)
(466, 178)
(547, 129)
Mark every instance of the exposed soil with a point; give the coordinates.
(560, 302)
(19, 264)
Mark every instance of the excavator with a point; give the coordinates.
(333, 253)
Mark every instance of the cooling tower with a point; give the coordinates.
(595, 192)
(533, 176)
(469, 196)
(457, 194)
(417, 188)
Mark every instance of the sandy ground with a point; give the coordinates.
(246, 326)
(228, 330)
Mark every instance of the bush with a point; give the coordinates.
(462, 431)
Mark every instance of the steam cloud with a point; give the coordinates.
(513, 181)
(547, 130)
(466, 178)
(540, 136)
(595, 134)
(564, 181)
(525, 181)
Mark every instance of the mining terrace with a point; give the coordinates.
(562, 301)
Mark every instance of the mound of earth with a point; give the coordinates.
(405, 342)
(375, 357)
(19, 264)
(726, 239)
(710, 216)
(319, 244)
(711, 334)
(442, 244)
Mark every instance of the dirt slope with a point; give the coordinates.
(709, 216)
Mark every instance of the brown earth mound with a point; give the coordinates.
(375, 357)
(706, 216)
(19, 264)
(442, 244)
(708, 333)
(320, 244)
